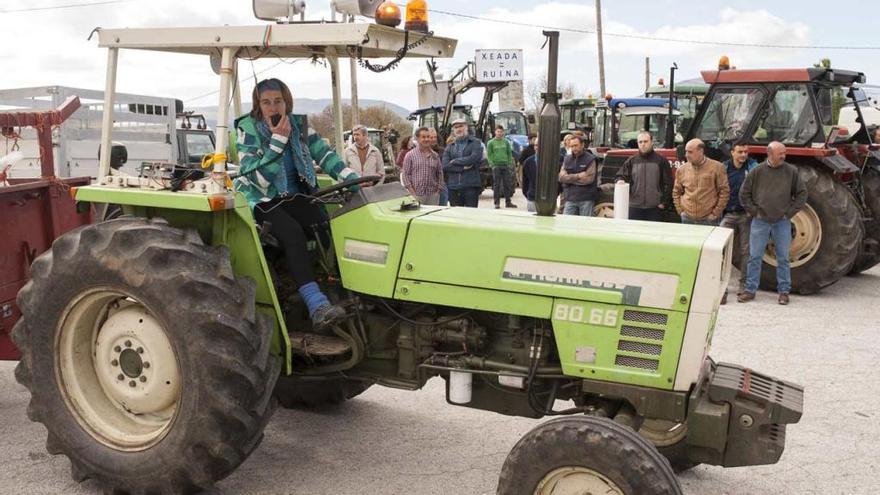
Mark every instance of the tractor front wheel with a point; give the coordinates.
(583, 454)
(144, 356)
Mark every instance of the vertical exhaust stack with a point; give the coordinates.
(548, 135)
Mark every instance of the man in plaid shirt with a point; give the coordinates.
(422, 172)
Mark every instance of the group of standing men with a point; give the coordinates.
(756, 200)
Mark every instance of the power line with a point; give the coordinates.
(654, 38)
(67, 6)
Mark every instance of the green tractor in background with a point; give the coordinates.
(155, 345)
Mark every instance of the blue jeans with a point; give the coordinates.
(444, 196)
(760, 232)
(468, 196)
(703, 221)
(582, 208)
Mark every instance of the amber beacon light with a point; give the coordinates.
(417, 16)
(388, 14)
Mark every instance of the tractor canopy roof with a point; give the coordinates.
(828, 76)
(688, 86)
(621, 103)
(295, 40)
(440, 109)
(577, 102)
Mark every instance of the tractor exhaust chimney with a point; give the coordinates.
(548, 136)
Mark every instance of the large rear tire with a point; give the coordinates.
(868, 258)
(583, 454)
(144, 356)
(826, 236)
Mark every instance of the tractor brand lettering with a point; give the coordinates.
(582, 314)
(636, 288)
(365, 251)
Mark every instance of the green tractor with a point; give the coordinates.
(156, 345)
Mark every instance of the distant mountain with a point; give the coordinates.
(303, 105)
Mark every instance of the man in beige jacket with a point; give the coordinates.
(701, 190)
(361, 156)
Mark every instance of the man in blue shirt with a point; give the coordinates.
(735, 216)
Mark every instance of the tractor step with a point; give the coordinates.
(313, 344)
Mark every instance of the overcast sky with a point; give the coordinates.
(49, 47)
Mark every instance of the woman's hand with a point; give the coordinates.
(283, 127)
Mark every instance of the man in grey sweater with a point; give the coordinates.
(772, 194)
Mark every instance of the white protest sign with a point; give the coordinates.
(499, 65)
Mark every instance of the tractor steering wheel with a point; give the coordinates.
(341, 186)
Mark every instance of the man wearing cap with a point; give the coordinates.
(461, 161)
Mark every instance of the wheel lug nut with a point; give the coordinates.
(127, 343)
(117, 349)
(140, 350)
(120, 377)
(132, 383)
(146, 364)
(114, 363)
(143, 378)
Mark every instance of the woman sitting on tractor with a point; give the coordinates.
(278, 177)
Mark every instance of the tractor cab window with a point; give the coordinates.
(429, 119)
(514, 122)
(600, 119)
(197, 146)
(789, 118)
(728, 114)
(375, 138)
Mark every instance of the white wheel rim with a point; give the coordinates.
(576, 480)
(604, 210)
(806, 238)
(662, 433)
(117, 370)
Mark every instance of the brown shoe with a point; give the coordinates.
(783, 298)
(746, 297)
(724, 299)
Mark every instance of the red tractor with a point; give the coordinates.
(838, 231)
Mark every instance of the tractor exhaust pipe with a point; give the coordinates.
(548, 135)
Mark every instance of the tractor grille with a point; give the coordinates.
(639, 347)
(636, 362)
(650, 351)
(642, 333)
(645, 317)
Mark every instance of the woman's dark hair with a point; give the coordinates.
(270, 85)
(405, 143)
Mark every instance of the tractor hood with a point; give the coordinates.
(393, 251)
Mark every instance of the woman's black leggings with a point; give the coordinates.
(294, 222)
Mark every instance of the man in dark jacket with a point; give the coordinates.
(735, 216)
(650, 179)
(461, 162)
(580, 182)
(530, 176)
(772, 194)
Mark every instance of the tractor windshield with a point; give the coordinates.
(631, 125)
(728, 114)
(789, 118)
(514, 123)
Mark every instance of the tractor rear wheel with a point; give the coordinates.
(584, 454)
(144, 356)
(826, 236)
(307, 393)
(871, 185)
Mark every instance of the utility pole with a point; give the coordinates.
(647, 73)
(355, 111)
(601, 52)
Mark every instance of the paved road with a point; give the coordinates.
(394, 442)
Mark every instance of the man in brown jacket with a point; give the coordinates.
(701, 190)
